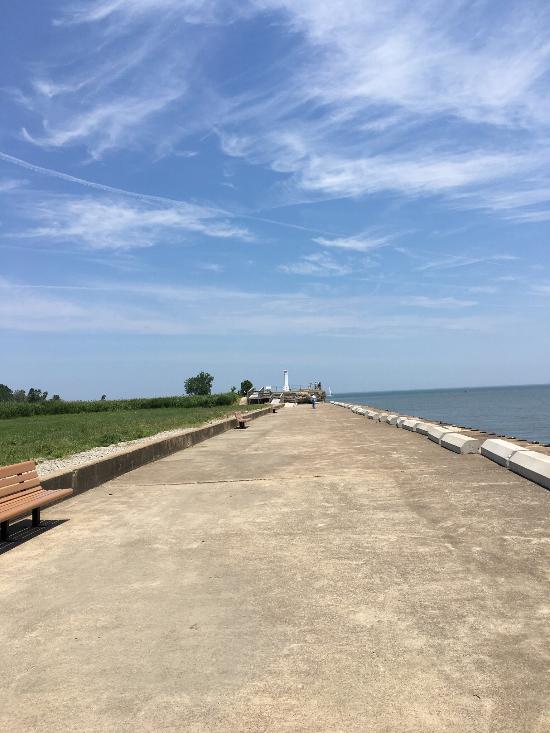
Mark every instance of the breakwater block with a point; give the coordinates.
(436, 432)
(371, 414)
(391, 419)
(400, 420)
(410, 424)
(532, 465)
(460, 443)
(423, 428)
(500, 451)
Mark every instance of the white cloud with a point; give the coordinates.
(451, 261)
(401, 97)
(172, 310)
(423, 301)
(541, 288)
(106, 125)
(483, 289)
(108, 223)
(212, 267)
(8, 185)
(133, 11)
(316, 265)
(358, 243)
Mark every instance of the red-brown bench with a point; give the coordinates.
(21, 494)
(241, 420)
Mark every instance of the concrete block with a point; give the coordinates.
(460, 443)
(370, 414)
(436, 432)
(391, 419)
(500, 451)
(382, 416)
(410, 424)
(532, 465)
(423, 428)
(400, 420)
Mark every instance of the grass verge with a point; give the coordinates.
(41, 437)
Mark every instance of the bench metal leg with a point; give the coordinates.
(36, 517)
(4, 531)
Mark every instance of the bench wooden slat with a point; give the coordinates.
(21, 486)
(12, 480)
(21, 496)
(40, 499)
(17, 468)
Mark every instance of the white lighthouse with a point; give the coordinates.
(286, 388)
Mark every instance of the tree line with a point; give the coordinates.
(19, 395)
(199, 385)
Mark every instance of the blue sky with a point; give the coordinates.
(361, 196)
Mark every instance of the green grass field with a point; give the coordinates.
(54, 436)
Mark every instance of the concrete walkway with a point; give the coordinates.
(316, 572)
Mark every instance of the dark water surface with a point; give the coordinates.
(522, 412)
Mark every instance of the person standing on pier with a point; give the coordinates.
(313, 400)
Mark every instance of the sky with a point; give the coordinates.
(359, 193)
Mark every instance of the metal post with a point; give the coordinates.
(4, 531)
(36, 517)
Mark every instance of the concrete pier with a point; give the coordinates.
(317, 571)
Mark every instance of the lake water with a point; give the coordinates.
(522, 412)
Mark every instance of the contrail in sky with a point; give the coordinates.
(144, 196)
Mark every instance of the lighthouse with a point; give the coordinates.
(286, 388)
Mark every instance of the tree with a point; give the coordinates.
(19, 395)
(56, 398)
(103, 397)
(233, 389)
(6, 394)
(36, 395)
(199, 385)
(246, 385)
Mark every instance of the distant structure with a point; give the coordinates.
(286, 388)
(286, 393)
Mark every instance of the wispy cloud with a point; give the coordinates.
(424, 301)
(317, 264)
(109, 223)
(541, 288)
(358, 243)
(171, 310)
(451, 261)
(212, 267)
(367, 99)
(400, 79)
(10, 184)
(106, 124)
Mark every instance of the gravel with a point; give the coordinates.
(95, 454)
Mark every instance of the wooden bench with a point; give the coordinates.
(241, 420)
(21, 494)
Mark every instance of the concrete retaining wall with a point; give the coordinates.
(90, 475)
